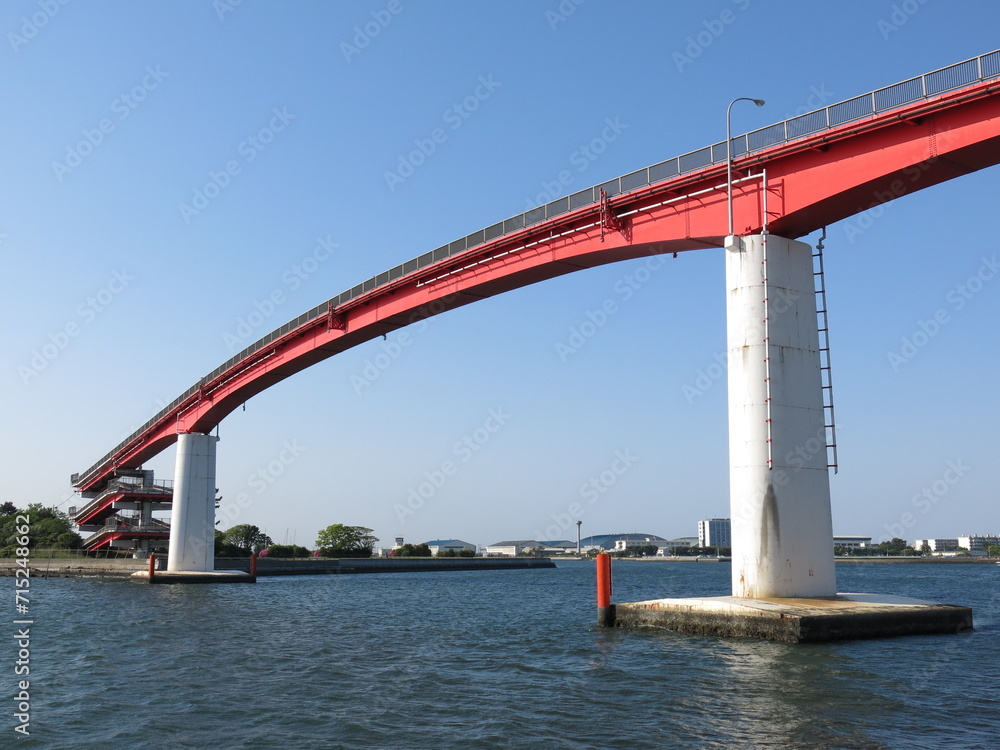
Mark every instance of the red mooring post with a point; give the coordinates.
(152, 566)
(605, 609)
(253, 568)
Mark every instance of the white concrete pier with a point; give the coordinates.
(782, 533)
(192, 522)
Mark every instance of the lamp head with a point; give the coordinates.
(759, 102)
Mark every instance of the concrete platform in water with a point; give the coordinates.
(845, 616)
(213, 576)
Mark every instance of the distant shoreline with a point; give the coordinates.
(922, 560)
(62, 567)
(849, 560)
(124, 567)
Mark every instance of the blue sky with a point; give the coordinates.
(117, 116)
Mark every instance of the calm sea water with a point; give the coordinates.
(508, 659)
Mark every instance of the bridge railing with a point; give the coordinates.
(124, 526)
(875, 102)
(163, 487)
(127, 524)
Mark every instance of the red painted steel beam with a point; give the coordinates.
(872, 163)
(811, 182)
(106, 537)
(104, 510)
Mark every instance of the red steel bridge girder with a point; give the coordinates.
(810, 183)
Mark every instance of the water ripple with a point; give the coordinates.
(490, 660)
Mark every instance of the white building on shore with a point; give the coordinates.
(852, 542)
(974, 544)
(936, 545)
(443, 545)
(715, 532)
(511, 548)
(667, 549)
(978, 544)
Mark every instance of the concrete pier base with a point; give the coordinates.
(800, 620)
(197, 576)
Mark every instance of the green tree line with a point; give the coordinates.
(48, 529)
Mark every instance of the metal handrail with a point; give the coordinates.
(112, 525)
(162, 487)
(976, 69)
(118, 522)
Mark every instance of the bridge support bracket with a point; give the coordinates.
(335, 321)
(609, 220)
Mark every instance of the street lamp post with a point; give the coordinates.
(729, 160)
(578, 524)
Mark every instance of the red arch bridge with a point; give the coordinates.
(788, 179)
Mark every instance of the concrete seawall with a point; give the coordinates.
(307, 566)
(919, 560)
(846, 560)
(88, 567)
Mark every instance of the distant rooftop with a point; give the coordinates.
(442, 542)
(607, 541)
